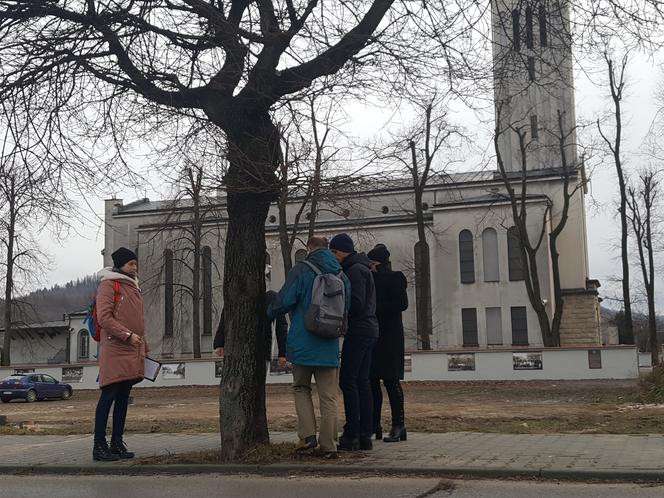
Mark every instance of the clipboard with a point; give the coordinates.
(151, 369)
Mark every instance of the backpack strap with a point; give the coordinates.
(312, 266)
(116, 294)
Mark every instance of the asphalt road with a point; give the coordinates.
(209, 486)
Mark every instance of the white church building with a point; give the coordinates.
(479, 299)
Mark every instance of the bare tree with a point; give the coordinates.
(230, 63)
(32, 198)
(516, 187)
(617, 87)
(643, 202)
(417, 154)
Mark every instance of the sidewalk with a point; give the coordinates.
(573, 456)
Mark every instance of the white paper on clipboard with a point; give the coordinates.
(151, 369)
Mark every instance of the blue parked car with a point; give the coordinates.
(32, 387)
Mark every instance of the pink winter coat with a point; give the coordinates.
(118, 359)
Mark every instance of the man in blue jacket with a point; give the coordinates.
(358, 345)
(310, 354)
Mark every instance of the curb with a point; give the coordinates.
(606, 475)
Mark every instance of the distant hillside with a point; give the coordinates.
(50, 304)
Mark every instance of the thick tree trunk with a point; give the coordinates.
(242, 417)
(251, 185)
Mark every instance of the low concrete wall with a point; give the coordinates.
(612, 362)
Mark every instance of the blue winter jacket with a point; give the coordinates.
(303, 347)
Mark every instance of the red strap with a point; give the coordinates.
(116, 287)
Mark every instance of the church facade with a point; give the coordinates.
(478, 295)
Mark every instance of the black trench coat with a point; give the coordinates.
(391, 300)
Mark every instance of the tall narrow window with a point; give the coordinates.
(516, 30)
(534, 132)
(300, 255)
(514, 262)
(207, 290)
(466, 257)
(168, 293)
(529, 27)
(469, 326)
(542, 27)
(490, 255)
(519, 326)
(83, 345)
(531, 68)
(494, 326)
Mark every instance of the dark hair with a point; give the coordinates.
(317, 241)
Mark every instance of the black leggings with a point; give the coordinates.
(395, 394)
(116, 394)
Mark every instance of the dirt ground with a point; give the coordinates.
(511, 407)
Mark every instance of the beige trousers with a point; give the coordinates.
(327, 385)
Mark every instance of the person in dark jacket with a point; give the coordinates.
(388, 354)
(358, 345)
(280, 331)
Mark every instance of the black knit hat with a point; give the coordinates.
(380, 254)
(123, 256)
(342, 242)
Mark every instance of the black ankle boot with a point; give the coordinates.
(398, 433)
(365, 443)
(102, 453)
(119, 449)
(348, 444)
(379, 433)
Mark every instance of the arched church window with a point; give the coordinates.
(168, 293)
(515, 264)
(490, 255)
(207, 290)
(466, 257)
(516, 30)
(542, 27)
(529, 27)
(300, 254)
(83, 344)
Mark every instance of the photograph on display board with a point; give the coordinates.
(408, 363)
(595, 358)
(458, 362)
(72, 374)
(173, 371)
(527, 361)
(218, 365)
(275, 369)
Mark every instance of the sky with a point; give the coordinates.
(80, 253)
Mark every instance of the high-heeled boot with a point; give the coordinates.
(397, 434)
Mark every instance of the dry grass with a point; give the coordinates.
(509, 407)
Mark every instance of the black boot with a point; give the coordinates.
(119, 449)
(398, 433)
(379, 433)
(102, 453)
(348, 444)
(365, 443)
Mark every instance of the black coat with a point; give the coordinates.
(362, 315)
(281, 330)
(391, 300)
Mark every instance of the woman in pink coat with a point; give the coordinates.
(122, 350)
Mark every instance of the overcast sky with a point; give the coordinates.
(79, 255)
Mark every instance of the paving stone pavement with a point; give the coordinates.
(427, 452)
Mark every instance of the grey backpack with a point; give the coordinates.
(326, 316)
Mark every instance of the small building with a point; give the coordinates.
(65, 341)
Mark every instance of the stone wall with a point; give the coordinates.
(580, 323)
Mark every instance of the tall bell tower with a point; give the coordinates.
(533, 82)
